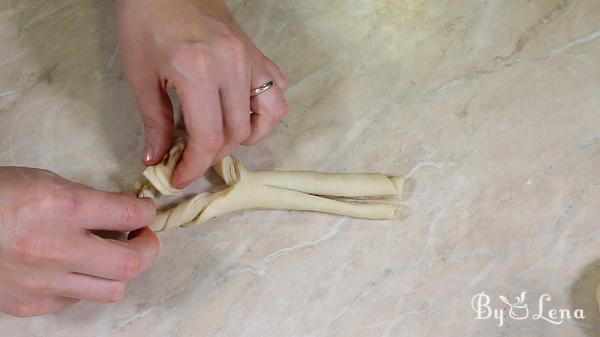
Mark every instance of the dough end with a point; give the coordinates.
(398, 184)
(598, 295)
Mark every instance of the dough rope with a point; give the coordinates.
(360, 195)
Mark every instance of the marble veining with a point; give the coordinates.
(490, 108)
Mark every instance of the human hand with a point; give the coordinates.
(196, 48)
(50, 259)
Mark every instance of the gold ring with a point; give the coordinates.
(262, 88)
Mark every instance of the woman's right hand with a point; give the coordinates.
(196, 48)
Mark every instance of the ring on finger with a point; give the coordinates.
(259, 90)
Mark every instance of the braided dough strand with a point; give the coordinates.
(361, 195)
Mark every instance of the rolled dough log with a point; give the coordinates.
(361, 195)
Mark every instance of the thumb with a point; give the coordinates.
(144, 241)
(157, 115)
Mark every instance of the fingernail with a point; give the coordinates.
(147, 154)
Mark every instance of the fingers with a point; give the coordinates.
(99, 210)
(156, 112)
(235, 102)
(277, 74)
(235, 98)
(84, 253)
(268, 107)
(204, 123)
(114, 260)
(216, 110)
(29, 306)
(146, 243)
(44, 285)
(101, 271)
(84, 287)
(53, 291)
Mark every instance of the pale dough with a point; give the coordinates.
(598, 295)
(361, 195)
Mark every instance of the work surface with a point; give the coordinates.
(490, 108)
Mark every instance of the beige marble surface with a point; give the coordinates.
(492, 108)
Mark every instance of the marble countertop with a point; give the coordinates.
(490, 108)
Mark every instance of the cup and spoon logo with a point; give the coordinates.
(518, 309)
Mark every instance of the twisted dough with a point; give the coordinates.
(361, 195)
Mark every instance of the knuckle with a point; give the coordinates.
(251, 142)
(179, 54)
(48, 203)
(283, 83)
(116, 293)
(232, 40)
(58, 202)
(36, 285)
(45, 173)
(130, 267)
(279, 109)
(33, 250)
(239, 133)
(131, 215)
(153, 122)
(212, 142)
(190, 59)
(234, 46)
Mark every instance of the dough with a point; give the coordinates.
(361, 195)
(598, 295)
